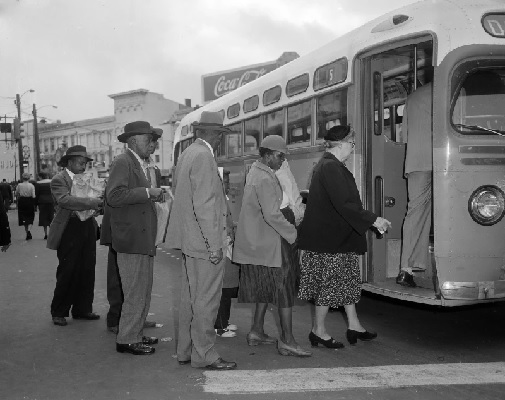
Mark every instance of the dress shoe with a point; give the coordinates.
(28, 236)
(149, 324)
(254, 339)
(113, 329)
(45, 236)
(329, 343)
(89, 316)
(353, 336)
(287, 350)
(149, 340)
(60, 321)
(138, 349)
(405, 279)
(221, 365)
(184, 362)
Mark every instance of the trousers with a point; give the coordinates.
(417, 222)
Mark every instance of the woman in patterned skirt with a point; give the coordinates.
(263, 245)
(332, 235)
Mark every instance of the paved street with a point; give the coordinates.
(421, 353)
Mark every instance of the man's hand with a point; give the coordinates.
(4, 248)
(216, 256)
(97, 204)
(156, 194)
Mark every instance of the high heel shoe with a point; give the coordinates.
(286, 350)
(329, 343)
(353, 336)
(254, 339)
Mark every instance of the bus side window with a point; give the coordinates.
(176, 152)
(252, 135)
(299, 123)
(235, 140)
(273, 123)
(331, 111)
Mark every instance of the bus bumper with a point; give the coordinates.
(473, 290)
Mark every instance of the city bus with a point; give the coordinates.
(363, 79)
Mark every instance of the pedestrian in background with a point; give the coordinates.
(44, 201)
(25, 194)
(74, 241)
(129, 226)
(263, 247)
(6, 191)
(198, 226)
(332, 235)
(230, 280)
(5, 232)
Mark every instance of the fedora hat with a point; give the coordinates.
(74, 151)
(139, 128)
(210, 120)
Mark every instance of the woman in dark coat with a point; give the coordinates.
(332, 235)
(25, 193)
(44, 200)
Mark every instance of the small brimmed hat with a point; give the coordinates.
(274, 142)
(74, 151)
(210, 120)
(337, 133)
(26, 175)
(138, 128)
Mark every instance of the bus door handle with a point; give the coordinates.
(379, 196)
(389, 201)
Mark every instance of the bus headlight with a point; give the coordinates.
(487, 205)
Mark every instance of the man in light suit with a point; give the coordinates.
(129, 226)
(198, 226)
(75, 242)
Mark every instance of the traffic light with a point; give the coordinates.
(18, 129)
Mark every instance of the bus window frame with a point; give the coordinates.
(265, 104)
(305, 74)
(230, 108)
(307, 143)
(334, 83)
(255, 107)
(241, 147)
(345, 88)
(260, 136)
(264, 114)
(458, 75)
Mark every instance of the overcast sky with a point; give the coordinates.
(74, 53)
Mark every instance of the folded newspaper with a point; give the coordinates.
(85, 185)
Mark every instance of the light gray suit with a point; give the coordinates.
(198, 226)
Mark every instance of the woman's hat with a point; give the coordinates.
(337, 133)
(26, 175)
(74, 151)
(139, 128)
(274, 142)
(211, 121)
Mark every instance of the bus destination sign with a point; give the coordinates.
(494, 24)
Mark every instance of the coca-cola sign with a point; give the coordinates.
(217, 85)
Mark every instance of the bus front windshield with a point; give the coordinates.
(480, 103)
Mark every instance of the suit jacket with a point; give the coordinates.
(334, 221)
(61, 184)
(129, 223)
(5, 232)
(198, 220)
(6, 191)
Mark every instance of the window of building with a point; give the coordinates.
(51, 141)
(72, 140)
(331, 111)
(273, 123)
(157, 158)
(252, 129)
(251, 103)
(272, 95)
(297, 85)
(234, 140)
(299, 123)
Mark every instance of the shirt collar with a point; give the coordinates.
(70, 173)
(142, 162)
(208, 145)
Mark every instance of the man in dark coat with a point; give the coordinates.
(6, 191)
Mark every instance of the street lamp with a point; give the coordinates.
(20, 142)
(36, 144)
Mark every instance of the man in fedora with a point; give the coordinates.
(129, 226)
(198, 226)
(75, 242)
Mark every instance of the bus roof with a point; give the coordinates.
(453, 23)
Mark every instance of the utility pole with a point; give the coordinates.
(20, 142)
(36, 145)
